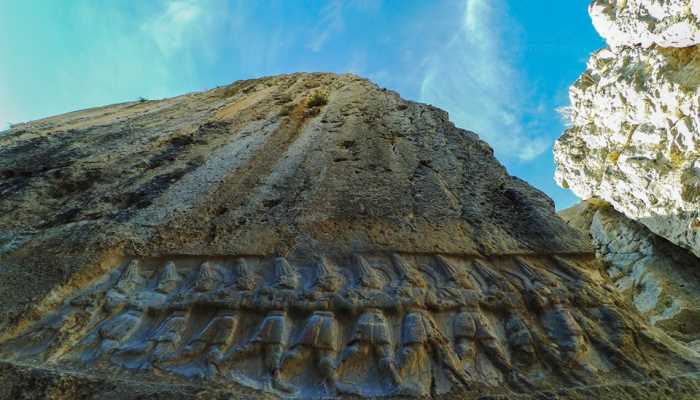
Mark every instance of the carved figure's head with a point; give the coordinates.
(455, 275)
(131, 278)
(408, 273)
(169, 279)
(286, 276)
(245, 278)
(367, 276)
(327, 277)
(208, 278)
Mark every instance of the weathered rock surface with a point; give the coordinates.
(660, 279)
(666, 23)
(307, 235)
(633, 139)
(250, 169)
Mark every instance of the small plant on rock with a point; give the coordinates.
(318, 99)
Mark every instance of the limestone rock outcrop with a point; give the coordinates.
(660, 279)
(299, 236)
(666, 23)
(634, 116)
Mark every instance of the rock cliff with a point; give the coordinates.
(660, 279)
(633, 139)
(300, 236)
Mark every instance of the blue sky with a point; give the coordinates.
(500, 67)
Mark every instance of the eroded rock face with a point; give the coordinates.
(667, 23)
(660, 279)
(633, 139)
(301, 236)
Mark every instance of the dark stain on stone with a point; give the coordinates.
(181, 144)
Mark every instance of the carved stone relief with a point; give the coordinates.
(366, 324)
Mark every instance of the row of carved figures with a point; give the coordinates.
(569, 326)
(209, 279)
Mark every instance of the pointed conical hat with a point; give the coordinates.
(131, 277)
(245, 279)
(367, 276)
(495, 279)
(285, 274)
(169, 278)
(207, 277)
(408, 273)
(454, 274)
(327, 278)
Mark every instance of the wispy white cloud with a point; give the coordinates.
(170, 30)
(330, 21)
(105, 53)
(474, 76)
(332, 18)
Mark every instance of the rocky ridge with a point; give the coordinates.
(299, 236)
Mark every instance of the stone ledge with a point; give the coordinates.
(25, 382)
